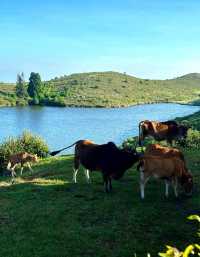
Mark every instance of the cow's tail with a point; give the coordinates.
(140, 164)
(140, 133)
(58, 151)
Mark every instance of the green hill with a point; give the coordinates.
(113, 89)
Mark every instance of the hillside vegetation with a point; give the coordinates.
(193, 120)
(7, 94)
(112, 89)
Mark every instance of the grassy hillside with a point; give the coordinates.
(112, 89)
(44, 214)
(7, 94)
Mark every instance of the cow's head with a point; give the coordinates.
(187, 183)
(183, 129)
(143, 128)
(132, 154)
(33, 157)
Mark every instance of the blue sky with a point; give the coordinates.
(148, 39)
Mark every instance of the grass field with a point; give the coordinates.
(45, 214)
(110, 89)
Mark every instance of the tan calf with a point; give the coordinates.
(21, 158)
(172, 170)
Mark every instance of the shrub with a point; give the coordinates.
(26, 142)
(132, 142)
(57, 101)
(192, 141)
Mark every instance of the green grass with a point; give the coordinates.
(193, 120)
(45, 214)
(111, 89)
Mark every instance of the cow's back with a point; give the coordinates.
(156, 149)
(17, 158)
(162, 167)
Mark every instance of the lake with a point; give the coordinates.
(63, 126)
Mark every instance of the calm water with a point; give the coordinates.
(63, 126)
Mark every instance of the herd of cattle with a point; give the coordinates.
(166, 163)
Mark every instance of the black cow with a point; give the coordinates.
(107, 158)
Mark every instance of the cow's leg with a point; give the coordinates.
(106, 181)
(74, 175)
(143, 180)
(22, 167)
(29, 166)
(166, 188)
(142, 184)
(110, 183)
(76, 168)
(175, 185)
(13, 173)
(87, 175)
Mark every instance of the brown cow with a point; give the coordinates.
(168, 130)
(107, 158)
(171, 169)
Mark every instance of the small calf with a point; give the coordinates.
(172, 170)
(21, 158)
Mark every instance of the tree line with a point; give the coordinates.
(32, 90)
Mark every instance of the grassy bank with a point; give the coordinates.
(110, 89)
(193, 120)
(44, 214)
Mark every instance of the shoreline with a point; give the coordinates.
(106, 107)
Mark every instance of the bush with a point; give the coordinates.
(132, 142)
(26, 142)
(192, 141)
(57, 101)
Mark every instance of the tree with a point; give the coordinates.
(20, 86)
(35, 86)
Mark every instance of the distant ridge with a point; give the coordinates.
(111, 89)
(190, 76)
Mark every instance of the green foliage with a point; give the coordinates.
(192, 141)
(26, 142)
(132, 142)
(192, 120)
(35, 87)
(20, 86)
(191, 249)
(53, 101)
